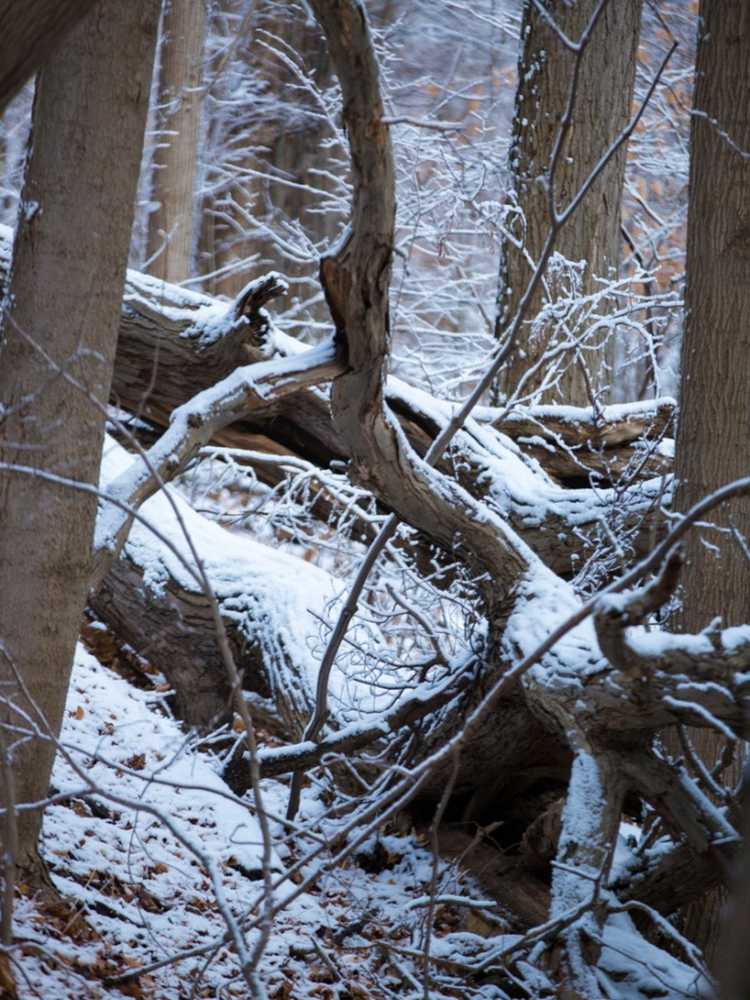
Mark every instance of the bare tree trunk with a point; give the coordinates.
(66, 285)
(601, 111)
(172, 624)
(735, 966)
(713, 446)
(28, 34)
(270, 157)
(171, 236)
(712, 441)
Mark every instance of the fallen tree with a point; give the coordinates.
(174, 344)
(152, 597)
(547, 724)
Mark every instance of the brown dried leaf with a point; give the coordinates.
(7, 982)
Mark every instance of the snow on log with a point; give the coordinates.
(152, 598)
(193, 425)
(174, 344)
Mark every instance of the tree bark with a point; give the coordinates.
(29, 33)
(601, 111)
(713, 446)
(270, 155)
(171, 345)
(69, 263)
(712, 441)
(735, 965)
(174, 344)
(171, 236)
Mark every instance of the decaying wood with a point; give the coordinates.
(699, 679)
(173, 344)
(522, 899)
(167, 336)
(577, 444)
(675, 878)
(152, 599)
(355, 280)
(192, 426)
(556, 521)
(174, 629)
(212, 372)
(588, 834)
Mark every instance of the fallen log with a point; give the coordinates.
(174, 344)
(153, 599)
(191, 426)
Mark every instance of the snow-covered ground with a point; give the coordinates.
(149, 845)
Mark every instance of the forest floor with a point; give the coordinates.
(146, 845)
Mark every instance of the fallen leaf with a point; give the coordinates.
(7, 982)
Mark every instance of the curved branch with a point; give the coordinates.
(192, 426)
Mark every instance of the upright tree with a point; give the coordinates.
(713, 445)
(60, 327)
(28, 34)
(271, 146)
(601, 109)
(171, 230)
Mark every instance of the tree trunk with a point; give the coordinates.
(735, 976)
(164, 359)
(152, 601)
(66, 286)
(713, 446)
(601, 110)
(29, 33)
(171, 237)
(269, 156)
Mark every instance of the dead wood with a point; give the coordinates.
(154, 599)
(174, 344)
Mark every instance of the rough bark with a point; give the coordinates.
(565, 684)
(523, 899)
(735, 979)
(712, 442)
(271, 154)
(590, 821)
(190, 427)
(356, 282)
(673, 880)
(30, 32)
(163, 361)
(601, 111)
(171, 236)
(168, 336)
(170, 350)
(168, 620)
(72, 243)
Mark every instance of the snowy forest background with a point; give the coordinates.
(373, 552)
